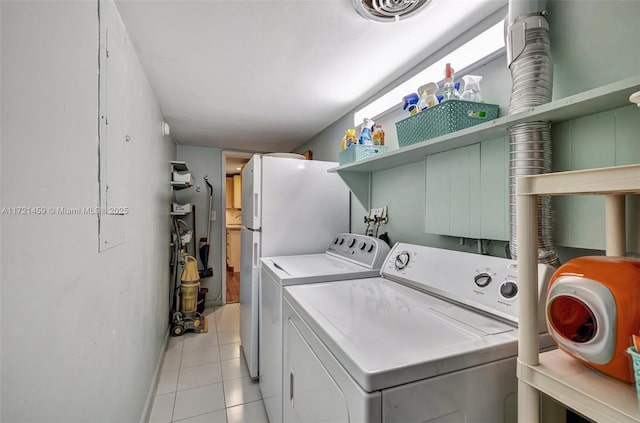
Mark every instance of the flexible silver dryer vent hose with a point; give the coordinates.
(530, 143)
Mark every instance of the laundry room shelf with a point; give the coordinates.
(586, 391)
(597, 100)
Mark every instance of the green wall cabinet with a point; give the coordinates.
(610, 138)
(466, 191)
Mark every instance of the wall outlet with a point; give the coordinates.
(212, 217)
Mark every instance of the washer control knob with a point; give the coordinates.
(482, 280)
(362, 245)
(341, 241)
(371, 247)
(352, 241)
(509, 289)
(402, 260)
(335, 241)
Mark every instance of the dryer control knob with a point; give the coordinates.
(509, 289)
(371, 247)
(341, 241)
(362, 245)
(352, 241)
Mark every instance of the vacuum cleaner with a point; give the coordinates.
(187, 317)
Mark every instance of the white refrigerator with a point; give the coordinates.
(289, 206)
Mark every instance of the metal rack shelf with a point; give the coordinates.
(591, 394)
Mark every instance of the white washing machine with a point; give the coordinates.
(349, 256)
(432, 340)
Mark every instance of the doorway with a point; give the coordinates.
(232, 165)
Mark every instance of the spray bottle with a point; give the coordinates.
(365, 132)
(471, 88)
(411, 103)
(449, 90)
(428, 95)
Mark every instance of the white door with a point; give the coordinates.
(249, 297)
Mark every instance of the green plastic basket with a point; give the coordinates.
(635, 357)
(446, 117)
(360, 152)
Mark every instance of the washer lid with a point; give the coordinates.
(386, 334)
(313, 268)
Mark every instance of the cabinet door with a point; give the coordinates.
(453, 192)
(237, 191)
(229, 192)
(494, 189)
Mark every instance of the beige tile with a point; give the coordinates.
(197, 356)
(230, 324)
(252, 412)
(193, 377)
(215, 417)
(234, 369)
(229, 351)
(241, 391)
(167, 383)
(162, 408)
(171, 360)
(197, 401)
(209, 339)
(229, 337)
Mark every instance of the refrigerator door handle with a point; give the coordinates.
(255, 255)
(255, 205)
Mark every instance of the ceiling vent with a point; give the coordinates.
(389, 10)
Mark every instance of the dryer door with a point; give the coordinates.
(310, 393)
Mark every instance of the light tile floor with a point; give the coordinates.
(204, 379)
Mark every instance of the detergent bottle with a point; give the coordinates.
(449, 90)
(366, 137)
(350, 138)
(411, 103)
(471, 88)
(428, 95)
(378, 135)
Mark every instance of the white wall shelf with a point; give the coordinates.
(597, 100)
(179, 166)
(586, 391)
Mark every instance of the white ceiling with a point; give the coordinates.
(268, 75)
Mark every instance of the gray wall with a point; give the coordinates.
(587, 51)
(206, 161)
(82, 331)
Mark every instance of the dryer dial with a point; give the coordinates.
(509, 289)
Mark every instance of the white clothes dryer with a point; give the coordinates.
(432, 340)
(349, 256)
